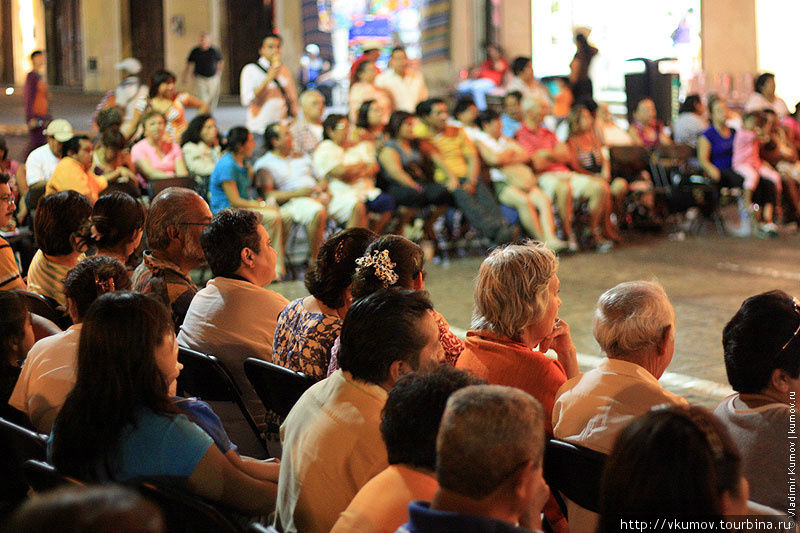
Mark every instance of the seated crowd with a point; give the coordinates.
(402, 425)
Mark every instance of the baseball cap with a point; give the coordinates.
(59, 129)
(129, 64)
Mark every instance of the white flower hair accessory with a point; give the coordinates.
(384, 267)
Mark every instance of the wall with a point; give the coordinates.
(729, 37)
(101, 28)
(198, 15)
(441, 76)
(515, 28)
(289, 23)
(28, 35)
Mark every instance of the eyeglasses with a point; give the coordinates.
(7, 198)
(797, 310)
(194, 223)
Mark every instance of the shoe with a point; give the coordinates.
(556, 244)
(770, 229)
(572, 244)
(603, 246)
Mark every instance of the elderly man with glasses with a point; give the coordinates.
(176, 218)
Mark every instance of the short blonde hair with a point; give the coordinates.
(630, 320)
(512, 288)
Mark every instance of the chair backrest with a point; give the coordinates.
(156, 186)
(206, 377)
(279, 388)
(183, 511)
(574, 471)
(43, 477)
(47, 308)
(255, 527)
(17, 444)
(628, 160)
(680, 153)
(23, 442)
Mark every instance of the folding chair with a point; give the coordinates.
(255, 527)
(47, 308)
(205, 377)
(183, 511)
(279, 388)
(43, 477)
(17, 444)
(575, 472)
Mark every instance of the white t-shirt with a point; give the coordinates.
(274, 108)
(496, 146)
(47, 377)
(407, 91)
(40, 165)
(288, 173)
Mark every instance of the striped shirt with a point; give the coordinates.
(46, 277)
(10, 277)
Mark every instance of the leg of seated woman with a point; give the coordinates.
(557, 186)
(528, 217)
(545, 208)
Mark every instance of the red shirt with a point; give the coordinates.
(541, 139)
(489, 71)
(501, 361)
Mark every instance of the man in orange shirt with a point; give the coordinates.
(72, 172)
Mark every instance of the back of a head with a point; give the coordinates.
(669, 463)
(511, 290)
(391, 260)
(759, 339)
(230, 231)
(94, 276)
(58, 217)
(630, 319)
(487, 432)
(115, 219)
(332, 272)
(518, 64)
(381, 329)
(485, 117)
(117, 375)
(170, 207)
(424, 108)
(413, 411)
(99, 509)
(13, 314)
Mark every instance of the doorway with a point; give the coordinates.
(147, 35)
(248, 22)
(64, 44)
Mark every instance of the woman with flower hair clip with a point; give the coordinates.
(392, 261)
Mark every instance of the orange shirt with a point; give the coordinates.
(70, 175)
(501, 361)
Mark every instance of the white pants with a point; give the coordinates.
(208, 90)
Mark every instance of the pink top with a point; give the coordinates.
(745, 150)
(171, 151)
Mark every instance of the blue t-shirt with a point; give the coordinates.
(227, 169)
(156, 445)
(510, 126)
(201, 414)
(721, 148)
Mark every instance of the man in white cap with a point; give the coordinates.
(42, 162)
(207, 63)
(130, 88)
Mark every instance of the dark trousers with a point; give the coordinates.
(483, 213)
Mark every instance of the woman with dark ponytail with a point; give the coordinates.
(115, 227)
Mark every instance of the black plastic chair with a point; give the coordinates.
(279, 388)
(575, 472)
(47, 308)
(205, 377)
(156, 186)
(17, 444)
(43, 477)
(255, 527)
(183, 511)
